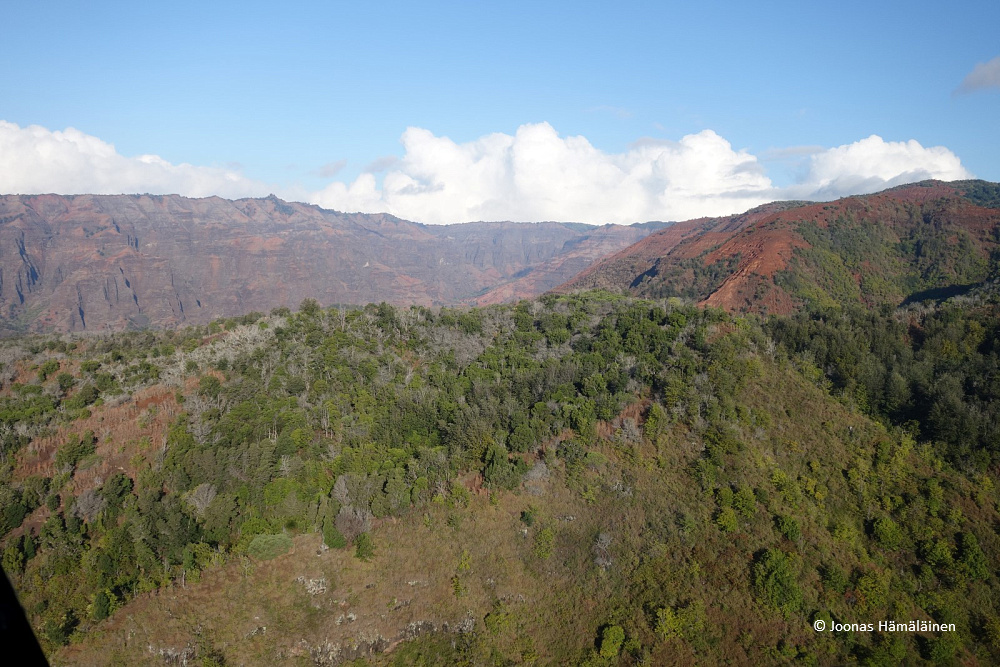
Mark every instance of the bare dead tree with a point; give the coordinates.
(601, 550)
(352, 521)
(89, 505)
(340, 491)
(201, 497)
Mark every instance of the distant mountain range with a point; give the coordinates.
(94, 262)
(928, 240)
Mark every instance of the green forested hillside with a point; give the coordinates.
(882, 255)
(584, 479)
(934, 371)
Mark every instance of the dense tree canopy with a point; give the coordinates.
(720, 453)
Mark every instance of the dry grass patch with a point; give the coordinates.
(262, 612)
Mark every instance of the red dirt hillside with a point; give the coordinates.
(883, 245)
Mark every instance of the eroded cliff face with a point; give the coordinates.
(103, 262)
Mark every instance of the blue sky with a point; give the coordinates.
(298, 97)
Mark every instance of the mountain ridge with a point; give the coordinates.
(781, 256)
(112, 262)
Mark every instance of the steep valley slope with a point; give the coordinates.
(95, 263)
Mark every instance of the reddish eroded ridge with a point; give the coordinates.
(758, 244)
(688, 240)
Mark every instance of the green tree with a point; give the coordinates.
(726, 520)
(745, 503)
(102, 606)
(332, 537)
(13, 559)
(75, 449)
(888, 533)
(668, 625)
(66, 382)
(47, 369)
(788, 526)
(873, 590)
(500, 471)
(774, 581)
(209, 386)
(972, 561)
(364, 547)
(611, 641)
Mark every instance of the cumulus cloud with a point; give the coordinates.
(538, 175)
(874, 164)
(36, 160)
(983, 75)
(534, 174)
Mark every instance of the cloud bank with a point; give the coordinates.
(873, 164)
(538, 175)
(534, 174)
(36, 160)
(983, 75)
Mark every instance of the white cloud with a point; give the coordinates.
(36, 160)
(538, 175)
(534, 174)
(874, 164)
(983, 75)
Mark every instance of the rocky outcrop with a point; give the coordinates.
(102, 262)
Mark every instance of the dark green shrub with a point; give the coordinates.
(774, 581)
(47, 369)
(364, 547)
(888, 533)
(102, 606)
(788, 526)
(332, 537)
